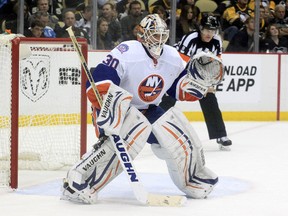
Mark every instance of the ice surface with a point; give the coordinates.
(252, 181)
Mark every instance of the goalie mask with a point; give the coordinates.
(153, 34)
(206, 69)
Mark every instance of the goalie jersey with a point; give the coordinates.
(131, 67)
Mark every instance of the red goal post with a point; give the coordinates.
(43, 112)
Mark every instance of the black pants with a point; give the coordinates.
(212, 114)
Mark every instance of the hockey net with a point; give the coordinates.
(43, 107)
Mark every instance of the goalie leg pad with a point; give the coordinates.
(115, 105)
(97, 167)
(100, 166)
(181, 148)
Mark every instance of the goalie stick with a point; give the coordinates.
(138, 189)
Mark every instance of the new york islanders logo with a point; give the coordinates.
(150, 88)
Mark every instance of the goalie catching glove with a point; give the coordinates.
(115, 105)
(206, 69)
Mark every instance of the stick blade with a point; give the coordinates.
(162, 200)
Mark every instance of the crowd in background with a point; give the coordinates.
(117, 20)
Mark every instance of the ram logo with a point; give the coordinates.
(35, 76)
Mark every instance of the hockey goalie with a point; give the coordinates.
(131, 80)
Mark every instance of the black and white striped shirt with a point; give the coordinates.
(192, 44)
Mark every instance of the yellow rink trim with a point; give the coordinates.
(68, 119)
(241, 116)
(43, 120)
(233, 116)
(284, 116)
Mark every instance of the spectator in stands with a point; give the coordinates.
(268, 14)
(122, 8)
(134, 18)
(265, 3)
(104, 39)
(286, 7)
(9, 21)
(279, 15)
(102, 2)
(264, 21)
(79, 10)
(43, 6)
(35, 30)
(85, 21)
(73, 4)
(273, 43)
(55, 7)
(181, 3)
(44, 18)
(222, 6)
(234, 18)
(153, 3)
(110, 15)
(135, 31)
(160, 10)
(243, 41)
(279, 19)
(6, 8)
(69, 20)
(187, 22)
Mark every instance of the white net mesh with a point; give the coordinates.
(49, 106)
(5, 107)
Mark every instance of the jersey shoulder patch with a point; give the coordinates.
(128, 50)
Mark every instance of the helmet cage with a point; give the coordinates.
(154, 34)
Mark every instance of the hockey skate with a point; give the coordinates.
(69, 194)
(224, 143)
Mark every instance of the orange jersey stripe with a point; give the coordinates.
(185, 57)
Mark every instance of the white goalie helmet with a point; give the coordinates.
(153, 34)
(206, 68)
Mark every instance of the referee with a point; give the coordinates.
(205, 39)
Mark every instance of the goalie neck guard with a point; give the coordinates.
(153, 34)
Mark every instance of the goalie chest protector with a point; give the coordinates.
(140, 76)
